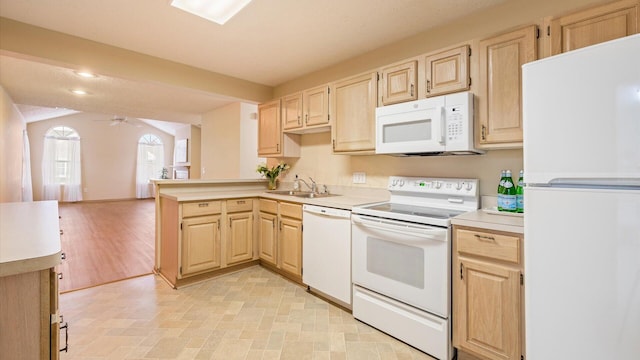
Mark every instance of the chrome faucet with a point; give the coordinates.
(313, 187)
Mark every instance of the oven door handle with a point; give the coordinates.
(405, 229)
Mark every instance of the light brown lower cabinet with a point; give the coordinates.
(29, 319)
(488, 311)
(200, 239)
(280, 237)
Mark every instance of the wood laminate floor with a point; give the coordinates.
(106, 242)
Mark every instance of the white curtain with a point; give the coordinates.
(149, 166)
(50, 185)
(27, 188)
(53, 187)
(73, 189)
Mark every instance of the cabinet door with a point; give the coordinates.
(353, 107)
(593, 26)
(292, 111)
(239, 237)
(447, 71)
(269, 130)
(268, 237)
(500, 89)
(316, 106)
(291, 246)
(200, 244)
(398, 83)
(486, 304)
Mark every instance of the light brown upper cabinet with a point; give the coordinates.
(292, 111)
(316, 107)
(398, 83)
(269, 128)
(500, 86)
(595, 25)
(271, 141)
(353, 107)
(447, 71)
(307, 111)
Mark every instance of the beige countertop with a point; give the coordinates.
(490, 221)
(29, 237)
(343, 201)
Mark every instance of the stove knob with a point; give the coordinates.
(459, 186)
(437, 184)
(394, 182)
(469, 186)
(401, 182)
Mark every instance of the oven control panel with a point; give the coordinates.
(433, 185)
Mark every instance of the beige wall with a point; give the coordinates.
(108, 154)
(230, 142)
(317, 159)
(510, 14)
(11, 127)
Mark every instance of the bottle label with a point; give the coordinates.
(509, 202)
(520, 203)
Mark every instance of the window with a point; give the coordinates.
(150, 164)
(61, 168)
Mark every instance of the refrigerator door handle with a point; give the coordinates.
(626, 183)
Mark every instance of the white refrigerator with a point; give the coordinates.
(582, 203)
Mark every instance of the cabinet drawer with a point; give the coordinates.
(487, 244)
(270, 206)
(237, 205)
(291, 210)
(201, 208)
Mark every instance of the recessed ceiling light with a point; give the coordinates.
(79, 92)
(218, 11)
(85, 74)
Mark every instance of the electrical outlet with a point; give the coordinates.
(359, 178)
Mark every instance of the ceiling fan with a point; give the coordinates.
(119, 120)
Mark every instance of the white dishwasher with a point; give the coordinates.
(326, 252)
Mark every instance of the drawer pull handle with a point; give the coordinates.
(203, 204)
(483, 237)
(240, 202)
(66, 336)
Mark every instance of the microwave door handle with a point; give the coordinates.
(443, 125)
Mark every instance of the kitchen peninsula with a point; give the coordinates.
(206, 228)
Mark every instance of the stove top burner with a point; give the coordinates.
(415, 210)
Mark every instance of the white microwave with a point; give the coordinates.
(441, 125)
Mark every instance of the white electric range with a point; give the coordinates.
(401, 259)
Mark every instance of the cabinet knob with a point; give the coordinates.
(61, 232)
(63, 256)
(60, 277)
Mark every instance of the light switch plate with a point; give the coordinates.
(359, 178)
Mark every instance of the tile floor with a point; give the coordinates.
(251, 314)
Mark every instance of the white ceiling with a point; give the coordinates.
(268, 42)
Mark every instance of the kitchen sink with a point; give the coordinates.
(300, 194)
(289, 192)
(311, 195)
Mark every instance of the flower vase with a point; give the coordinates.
(273, 184)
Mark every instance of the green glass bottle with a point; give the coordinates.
(520, 193)
(503, 173)
(509, 196)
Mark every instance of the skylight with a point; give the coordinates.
(218, 11)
